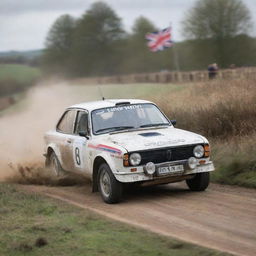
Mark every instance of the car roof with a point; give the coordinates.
(106, 103)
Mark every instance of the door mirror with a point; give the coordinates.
(83, 134)
(174, 122)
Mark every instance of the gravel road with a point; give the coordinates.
(222, 218)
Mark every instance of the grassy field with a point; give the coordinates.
(20, 73)
(33, 225)
(16, 78)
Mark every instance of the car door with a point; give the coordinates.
(65, 129)
(80, 142)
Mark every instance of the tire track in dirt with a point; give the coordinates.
(206, 218)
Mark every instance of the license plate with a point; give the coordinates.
(170, 169)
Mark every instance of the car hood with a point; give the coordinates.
(155, 138)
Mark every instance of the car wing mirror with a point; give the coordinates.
(83, 134)
(174, 122)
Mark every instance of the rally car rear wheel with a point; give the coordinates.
(200, 182)
(111, 190)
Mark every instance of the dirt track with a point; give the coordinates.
(223, 217)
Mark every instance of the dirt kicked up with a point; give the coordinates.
(222, 218)
(22, 127)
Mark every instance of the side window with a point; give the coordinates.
(66, 123)
(81, 122)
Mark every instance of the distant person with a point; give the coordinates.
(212, 70)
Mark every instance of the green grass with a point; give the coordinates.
(140, 90)
(235, 161)
(20, 73)
(67, 230)
(236, 172)
(15, 78)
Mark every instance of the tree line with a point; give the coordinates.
(96, 44)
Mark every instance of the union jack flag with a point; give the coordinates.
(158, 41)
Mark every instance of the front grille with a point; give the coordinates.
(163, 154)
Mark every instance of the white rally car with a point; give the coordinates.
(117, 142)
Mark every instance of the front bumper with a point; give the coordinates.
(127, 176)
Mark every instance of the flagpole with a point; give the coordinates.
(175, 54)
(176, 59)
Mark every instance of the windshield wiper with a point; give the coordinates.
(116, 128)
(158, 124)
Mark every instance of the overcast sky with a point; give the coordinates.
(24, 23)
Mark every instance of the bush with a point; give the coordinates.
(16, 78)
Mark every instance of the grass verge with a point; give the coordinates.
(33, 225)
(235, 161)
(18, 72)
(16, 78)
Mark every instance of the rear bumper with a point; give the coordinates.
(128, 177)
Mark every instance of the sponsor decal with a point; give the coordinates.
(163, 143)
(117, 109)
(106, 148)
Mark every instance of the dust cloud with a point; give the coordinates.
(22, 127)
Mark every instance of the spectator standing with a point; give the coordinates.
(212, 70)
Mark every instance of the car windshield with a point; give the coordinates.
(125, 117)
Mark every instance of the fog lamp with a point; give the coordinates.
(150, 168)
(192, 162)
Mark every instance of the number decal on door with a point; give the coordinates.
(77, 155)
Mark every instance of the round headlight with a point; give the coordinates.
(150, 168)
(192, 163)
(198, 151)
(135, 159)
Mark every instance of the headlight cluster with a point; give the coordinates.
(135, 159)
(192, 163)
(198, 151)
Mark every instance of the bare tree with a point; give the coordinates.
(218, 22)
(217, 19)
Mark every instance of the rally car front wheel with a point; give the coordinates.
(200, 182)
(111, 190)
(54, 165)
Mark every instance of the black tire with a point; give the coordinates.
(110, 189)
(200, 182)
(54, 166)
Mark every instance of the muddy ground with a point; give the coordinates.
(223, 217)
